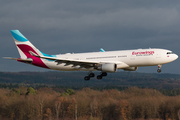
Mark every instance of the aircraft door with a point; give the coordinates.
(132, 57)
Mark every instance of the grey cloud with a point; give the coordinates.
(82, 26)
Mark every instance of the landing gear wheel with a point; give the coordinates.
(99, 77)
(104, 74)
(91, 75)
(86, 78)
(159, 70)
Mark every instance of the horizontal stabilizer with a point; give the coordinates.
(10, 58)
(19, 59)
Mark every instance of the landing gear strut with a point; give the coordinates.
(89, 76)
(159, 68)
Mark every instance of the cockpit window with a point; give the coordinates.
(169, 52)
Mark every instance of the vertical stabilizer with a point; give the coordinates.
(23, 45)
(25, 49)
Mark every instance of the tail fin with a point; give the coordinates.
(23, 45)
(26, 49)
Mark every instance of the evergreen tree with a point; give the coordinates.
(31, 90)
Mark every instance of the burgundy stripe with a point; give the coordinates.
(36, 61)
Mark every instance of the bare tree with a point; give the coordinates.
(57, 106)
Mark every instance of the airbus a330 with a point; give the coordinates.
(103, 61)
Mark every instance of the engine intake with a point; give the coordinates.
(108, 67)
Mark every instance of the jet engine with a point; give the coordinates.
(131, 69)
(108, 67)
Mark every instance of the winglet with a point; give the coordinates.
(102, 50)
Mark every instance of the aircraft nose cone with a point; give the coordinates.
(176, 57)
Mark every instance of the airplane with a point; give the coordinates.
(104, 61)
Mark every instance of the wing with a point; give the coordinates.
(81, 63)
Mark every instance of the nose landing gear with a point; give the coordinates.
(159, 68)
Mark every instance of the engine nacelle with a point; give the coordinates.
(131, 69)
(108, 67)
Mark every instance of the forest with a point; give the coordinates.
(66, 96)
(27, 103)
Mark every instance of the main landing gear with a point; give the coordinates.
(159, 68)
(89, 76)
(102, 75)
(92, 75)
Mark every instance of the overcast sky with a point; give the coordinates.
(63, 26)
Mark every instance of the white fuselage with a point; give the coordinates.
(123, 59)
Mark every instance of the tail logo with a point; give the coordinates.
(18, 36)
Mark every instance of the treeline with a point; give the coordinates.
(167, 92)
(87, 104)
(73, 79)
